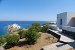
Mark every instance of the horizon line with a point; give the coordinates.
(23, 20)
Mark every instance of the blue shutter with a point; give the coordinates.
(60, 21)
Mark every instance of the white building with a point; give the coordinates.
(66, 21)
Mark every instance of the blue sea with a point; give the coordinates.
(23, 24)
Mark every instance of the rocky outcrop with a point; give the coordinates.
(13, 27)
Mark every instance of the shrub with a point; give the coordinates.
(45, 28)
(37, 26)
(32, 35)
(2, 40)
(22, 33)
(12, 40)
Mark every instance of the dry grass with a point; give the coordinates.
(45, 39)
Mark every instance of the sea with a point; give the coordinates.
(23, 24)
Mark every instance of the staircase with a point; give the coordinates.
(62, 37)
(65, 42)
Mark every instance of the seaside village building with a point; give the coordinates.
(66, 22)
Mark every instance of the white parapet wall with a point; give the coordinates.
(54, 27)
(69, 28)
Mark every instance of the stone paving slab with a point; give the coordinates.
(64, 47)
(60, 46)
(1, 48)
(57, 46)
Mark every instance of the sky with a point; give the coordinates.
(34, 10)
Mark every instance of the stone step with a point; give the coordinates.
(1, 48)
(64, 47)
(53, 46)
(57, 46)
(65, 39)
(62, 36)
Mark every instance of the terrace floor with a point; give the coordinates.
(70, 43)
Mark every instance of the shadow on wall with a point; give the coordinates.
(72, 44)
(71, 22)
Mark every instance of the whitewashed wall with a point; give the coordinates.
(54, 27)
(62, 16)
(70, 19)
(68, 28)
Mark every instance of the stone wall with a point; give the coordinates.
(54, 34)
(68, 32)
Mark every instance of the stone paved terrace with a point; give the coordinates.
(59, 45)
(63, 37)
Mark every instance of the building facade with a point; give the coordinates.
(66, 21)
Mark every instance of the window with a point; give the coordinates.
(60, 21)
